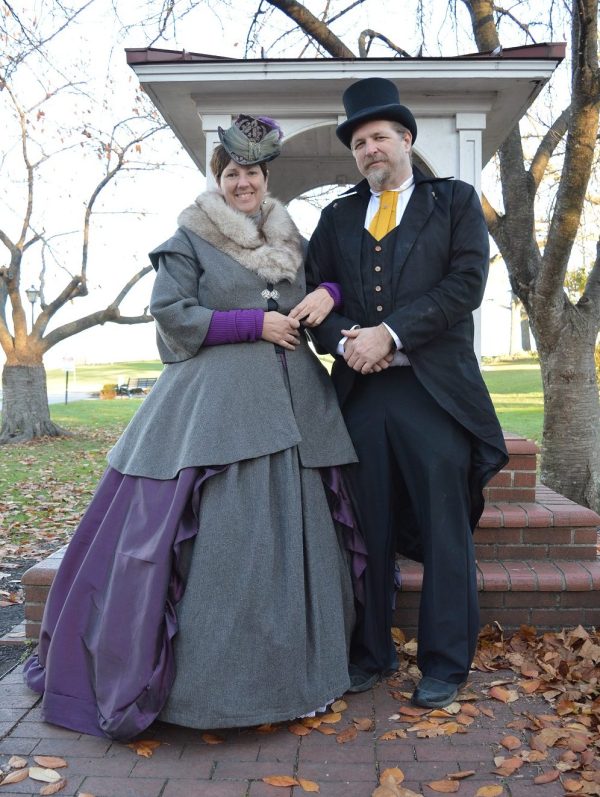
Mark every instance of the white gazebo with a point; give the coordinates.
(464, 106)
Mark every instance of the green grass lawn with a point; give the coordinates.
(45, 485)
(516, 390)
(93, 377)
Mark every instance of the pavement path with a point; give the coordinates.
(186, 765)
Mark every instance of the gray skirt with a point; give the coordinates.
(267, 614)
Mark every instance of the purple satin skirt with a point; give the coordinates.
(105, 661)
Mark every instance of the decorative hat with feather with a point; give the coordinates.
(251, 140)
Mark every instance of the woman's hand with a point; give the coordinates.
(314, 308)
(281, 329)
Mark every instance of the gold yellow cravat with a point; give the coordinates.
(384, 220)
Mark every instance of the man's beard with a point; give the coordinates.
(378, 175)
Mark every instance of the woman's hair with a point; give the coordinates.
(220, 160)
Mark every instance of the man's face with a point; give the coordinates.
(382, 154)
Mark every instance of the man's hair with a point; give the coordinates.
(396, 126)
(220, 159)
(402, 130)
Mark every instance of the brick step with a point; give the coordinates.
(546, 594)
(551, 527)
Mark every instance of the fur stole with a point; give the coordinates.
(272, 250)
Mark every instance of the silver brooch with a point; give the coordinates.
(266, 294)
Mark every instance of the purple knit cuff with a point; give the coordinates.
(234, 326)
(334, 290)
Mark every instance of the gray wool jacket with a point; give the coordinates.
(217, 405)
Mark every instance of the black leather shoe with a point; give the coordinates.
(433, 693)
(360, 680)
(360, 683)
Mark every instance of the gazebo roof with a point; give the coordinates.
(305, 94)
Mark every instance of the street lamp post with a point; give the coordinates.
(32, 295)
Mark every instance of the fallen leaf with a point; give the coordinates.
(339, 705)
(572, 785)
(402, 791)
(14, 777)
(533, 756)
(444, 786)
(460, 775)
(331, 718)
(326, 730)
(509, 766)
(388, 736)
(504, 695)
(212, 738)
(464, 719)
(529, 687)
(298, 730)
(53, 788)
(391, 777)
(46, 775)
(452, 708)
(16, 762)
(547, 777)
(309, 785)
(145, 747)
(450, 728)
(413, 711)
(51, 761)
(280, 780)
(490, 791)
(488, 712)
(311, 722)
(363, 723)
(470, 710)
(268, 727)
(347, 735)
(385, 791)
(510, 742)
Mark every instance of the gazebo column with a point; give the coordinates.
(470, 127)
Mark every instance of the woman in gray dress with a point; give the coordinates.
(208, 582)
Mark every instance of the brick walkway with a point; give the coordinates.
(186, 766)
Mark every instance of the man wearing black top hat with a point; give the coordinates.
(411, 255)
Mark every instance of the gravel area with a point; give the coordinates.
(10, 616)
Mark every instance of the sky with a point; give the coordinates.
(138, 212)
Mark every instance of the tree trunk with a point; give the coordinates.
(25, 413)
(570, 462)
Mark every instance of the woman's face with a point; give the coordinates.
(244, 187)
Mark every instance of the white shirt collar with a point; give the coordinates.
(406, 184)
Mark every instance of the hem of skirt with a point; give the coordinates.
(72, 713)
(216, 720)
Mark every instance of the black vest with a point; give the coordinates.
(376, 266)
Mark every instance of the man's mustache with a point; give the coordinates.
(372, 160)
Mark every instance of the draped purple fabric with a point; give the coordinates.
(105, 660)
(342, 513)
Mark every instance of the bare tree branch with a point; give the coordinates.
(547, 147)
(314, 27)
(579, 153)
(110, 313)
(363, 49)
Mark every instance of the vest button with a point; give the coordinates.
(378, 248)
(379, 308)
(377, 268)
(378, 288)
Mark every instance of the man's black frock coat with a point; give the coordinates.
(440, 267)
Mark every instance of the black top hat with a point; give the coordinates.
(373, 98)
(252, 139)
